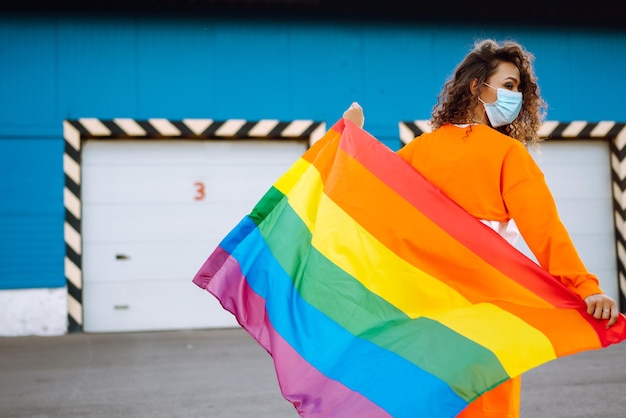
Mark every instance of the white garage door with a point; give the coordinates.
(579, 175)
(153, 210)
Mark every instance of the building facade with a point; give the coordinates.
(131, 142)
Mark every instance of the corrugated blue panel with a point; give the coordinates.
(27, 75)
(31, 256)
(31, 214)
(176, 67)
(97, 67)
(598, 85)
(326, 69)
(253, 69)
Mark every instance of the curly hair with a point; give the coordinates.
(456, 101)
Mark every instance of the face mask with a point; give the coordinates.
(506, 107)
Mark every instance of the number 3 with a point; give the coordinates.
(199, 190)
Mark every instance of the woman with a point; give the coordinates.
(487, 115)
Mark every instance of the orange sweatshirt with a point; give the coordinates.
(494, 177)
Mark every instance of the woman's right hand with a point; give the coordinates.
(601, 306)
(355, 114)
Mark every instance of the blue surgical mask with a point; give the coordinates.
(506, 107)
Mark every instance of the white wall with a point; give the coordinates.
(33, 312)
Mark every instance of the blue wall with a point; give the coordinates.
(68, 67)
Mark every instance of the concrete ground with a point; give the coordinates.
(225, 374)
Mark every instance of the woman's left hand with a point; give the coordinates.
(355, 114)
(601, 306)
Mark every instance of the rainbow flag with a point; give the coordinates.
(377, 296)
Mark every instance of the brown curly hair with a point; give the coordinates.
(456, 101)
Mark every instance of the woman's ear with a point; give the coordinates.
(473, 85)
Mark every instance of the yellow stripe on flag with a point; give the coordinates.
(495, 328)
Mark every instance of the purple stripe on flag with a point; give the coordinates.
(221, 276)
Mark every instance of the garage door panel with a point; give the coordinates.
(118, 307)
(586, 216)
(571, 152)
(183, 152)
(595, 245)
(125, 261)
(595, 251)
(167, 223)
(601, 258)
(152, 213)
(567, 182)
(191, 184)
(574, 166)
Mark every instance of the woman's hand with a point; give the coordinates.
(355, 114)
(600, 306)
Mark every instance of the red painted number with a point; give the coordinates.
(199, 190)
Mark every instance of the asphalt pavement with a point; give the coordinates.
(223, 373)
